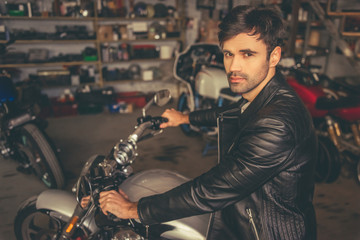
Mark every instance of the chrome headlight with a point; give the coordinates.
(127, 234)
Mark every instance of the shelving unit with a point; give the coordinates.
(333, 35)
(332, 13)
(97, 43)
(307, 33)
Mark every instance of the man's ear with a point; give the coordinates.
(275, 56)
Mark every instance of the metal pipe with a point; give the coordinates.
(356, 133)
(333, 131)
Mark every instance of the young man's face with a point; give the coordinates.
(246, 64)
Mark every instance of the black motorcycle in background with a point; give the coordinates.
(21, 137)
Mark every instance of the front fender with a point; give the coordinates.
(62, 205)
(59, 201)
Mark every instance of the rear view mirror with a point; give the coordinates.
(160, 98)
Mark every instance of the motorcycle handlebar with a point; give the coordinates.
(124, 152)
(144, 123)
(140, 129)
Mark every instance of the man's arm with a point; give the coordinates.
(239, 174)
(175, 118)
(198, 118)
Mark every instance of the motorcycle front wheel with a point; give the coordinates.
(35, 152)
(358, 172)
(328, 165)
(31, 223)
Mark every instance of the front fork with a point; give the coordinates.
(355, 128)
(75, 221)
(334, 131)
(336, 135)
(4, 147)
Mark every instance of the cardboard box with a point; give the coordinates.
(105, 33)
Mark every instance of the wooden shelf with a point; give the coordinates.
(130, 81)
(137, 19)
(142, 40)
(124, 81)
(51, 41)
(351, 34)
(49, 64)
(39, 41)
(50, 18)
(19, 65)
(55, 18)
(69, 86)
(136, 60)
(339, 14)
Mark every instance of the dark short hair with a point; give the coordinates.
(265, 21)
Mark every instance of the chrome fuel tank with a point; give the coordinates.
(157, 181)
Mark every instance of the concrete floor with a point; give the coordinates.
(79, 137)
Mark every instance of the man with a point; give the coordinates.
(263, 186)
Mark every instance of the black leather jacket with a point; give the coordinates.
(264, 181)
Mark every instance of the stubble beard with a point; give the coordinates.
(250, 82)
(238, 87)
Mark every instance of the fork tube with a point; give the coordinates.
(356, 133)
(333, 130)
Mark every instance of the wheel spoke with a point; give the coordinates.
(32, 229)
(40, 227)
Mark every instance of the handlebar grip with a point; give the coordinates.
(156, 121)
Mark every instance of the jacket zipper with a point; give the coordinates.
(251, 220)
(220, 118)
(146, 232)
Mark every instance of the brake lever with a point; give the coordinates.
(150, 135)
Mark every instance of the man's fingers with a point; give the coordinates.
(123, 194)
(117, 203)
(85, 201)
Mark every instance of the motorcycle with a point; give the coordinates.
(200, 68)
(22, 139)
(57, 214)
(335, 108)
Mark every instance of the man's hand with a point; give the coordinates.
(118, 204)
(175, 118)
(85, 201)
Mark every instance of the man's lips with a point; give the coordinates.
(237, 79)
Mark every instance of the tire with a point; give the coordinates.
(349, 165)
(328, 166)
(184, 108)
(34, 150)
(31, 223)
(358, 172)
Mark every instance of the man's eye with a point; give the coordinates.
(227, 54)
(248, 54)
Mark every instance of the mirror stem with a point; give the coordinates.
(146, 107)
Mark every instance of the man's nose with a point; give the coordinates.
(236, 64)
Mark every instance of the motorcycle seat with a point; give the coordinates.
(325, 103)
